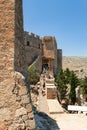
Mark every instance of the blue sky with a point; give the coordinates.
(64, 19)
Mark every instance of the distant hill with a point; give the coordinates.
(77, 64)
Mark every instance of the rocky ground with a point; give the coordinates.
(77, 64)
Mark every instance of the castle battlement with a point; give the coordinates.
(46, 48)
(30, 34)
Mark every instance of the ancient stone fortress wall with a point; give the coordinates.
(55, 55)
(41, 51)
(15, 105)
(59, 56)
(33, 50)
(50, 51)
(48, 47)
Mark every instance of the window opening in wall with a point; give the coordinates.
(39, 46)
(28, 43)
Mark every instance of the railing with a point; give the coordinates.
(79, 109)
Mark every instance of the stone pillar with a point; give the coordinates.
(15, 106)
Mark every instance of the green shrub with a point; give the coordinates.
(34, 75)
(83, 83)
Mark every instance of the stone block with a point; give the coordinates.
(30, 124)
(20, 112)
(51, 93)
(22, 90)
(5, 114)
(28, 108)
(25, 117)
(25, 99)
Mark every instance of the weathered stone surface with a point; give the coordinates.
(25, 117)
(59, 61)
(13, 88)
(21, 111)
(33, 47)
(3, 104)
(22, 91)
(28, 108)
(30, 124)
(5, 114)
(17, 127)
(31, 116)
(40, 52)
(25, 99)
(3, 125)
(50, 53)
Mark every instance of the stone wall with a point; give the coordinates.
(50, 51)
(6, 39)
(48, 47)
(15, 105)
(55, 55)
(19, 48)
(51, 93)
(36, 49)
(59, 56)
(33, 50)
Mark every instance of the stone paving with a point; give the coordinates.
(54, 106)
(64, 121)
(42, 103)
(71, 121)
(48, 105)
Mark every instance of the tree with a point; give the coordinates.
(83, 83)
(74, 82)
(34, 75)
(64, 80)
(61, 85)
(67, 74)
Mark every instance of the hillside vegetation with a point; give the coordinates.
(77, 64)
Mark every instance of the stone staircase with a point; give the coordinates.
(49, 103)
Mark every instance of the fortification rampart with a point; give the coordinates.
(45, 48)
(50, 52)
(59, 55)
(15, 106)
(33, 50)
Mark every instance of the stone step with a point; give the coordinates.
(54, 106)
(50, 85)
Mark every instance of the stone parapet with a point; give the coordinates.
(51, 92)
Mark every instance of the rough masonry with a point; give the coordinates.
(42, 53)
(15, 105)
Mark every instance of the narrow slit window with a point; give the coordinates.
(28, 43)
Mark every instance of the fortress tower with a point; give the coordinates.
(15, 107)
